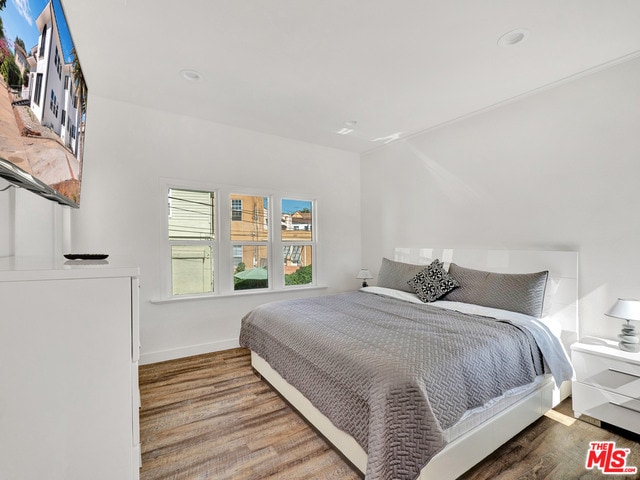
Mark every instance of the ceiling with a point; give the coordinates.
(307, 70)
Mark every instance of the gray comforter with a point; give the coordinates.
(392, 374)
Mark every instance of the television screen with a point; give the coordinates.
(43, 99)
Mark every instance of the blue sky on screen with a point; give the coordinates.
(19, 20)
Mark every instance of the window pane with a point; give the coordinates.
(297, 220)
(190, 215)
(297, 264)
(251, 272)
(191, 269)
(249, 214)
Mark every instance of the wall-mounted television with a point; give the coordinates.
(43, 100)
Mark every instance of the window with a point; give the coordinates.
(250, 239)
(237, 256)
(236, 209)
(53, 104)
(43, 40)
(297, 241)
(58, 63)
(36, 94)
(191, 238)
(248, 255)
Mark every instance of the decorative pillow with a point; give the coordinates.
(517, 292)
(432, 282)
(395, 275)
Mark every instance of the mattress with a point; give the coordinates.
(476, 416)
(481, 432)
(360, 359)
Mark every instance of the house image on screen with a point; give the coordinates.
(52, 89)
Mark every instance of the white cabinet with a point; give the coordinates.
(607, 385)
(69, 350)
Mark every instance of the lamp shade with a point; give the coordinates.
(364, 274)
(625, 308)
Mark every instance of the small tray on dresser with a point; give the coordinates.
(85, 256)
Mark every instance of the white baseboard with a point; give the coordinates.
(163, 355)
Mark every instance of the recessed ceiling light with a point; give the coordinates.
(513, 37)
(191, 75)
(350, 125)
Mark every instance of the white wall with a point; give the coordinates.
(31, 225)
(556, 170)
(7, 220)
(130, 149)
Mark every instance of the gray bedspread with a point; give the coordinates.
(392, 374)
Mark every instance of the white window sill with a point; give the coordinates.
(241, 293)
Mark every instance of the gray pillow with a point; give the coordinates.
(517, 292)
(433, 282)
(395, 275)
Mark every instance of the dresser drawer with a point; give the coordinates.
(609, 407)
(604, 372)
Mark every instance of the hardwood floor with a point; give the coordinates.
(211, 417)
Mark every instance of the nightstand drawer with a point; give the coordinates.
(609, 407)
(604, 372)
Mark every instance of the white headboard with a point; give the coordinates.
(562, 267)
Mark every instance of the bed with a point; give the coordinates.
(356, 365)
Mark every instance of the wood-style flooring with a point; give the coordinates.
(210, 417)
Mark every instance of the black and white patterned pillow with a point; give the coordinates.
(433, 282)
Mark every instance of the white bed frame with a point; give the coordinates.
(468, 449)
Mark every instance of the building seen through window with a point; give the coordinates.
(251, 251)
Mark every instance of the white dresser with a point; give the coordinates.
(69, 349)
(607, 385)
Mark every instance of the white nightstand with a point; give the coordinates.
(607, 385)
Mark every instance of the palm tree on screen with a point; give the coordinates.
(81, 86)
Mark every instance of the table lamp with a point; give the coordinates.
(364, 275)
(627, 309)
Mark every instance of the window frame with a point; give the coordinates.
(223, 259)
(242, 243)
(38, 89)
(190, 242)
(302, 243)
(43, 41)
